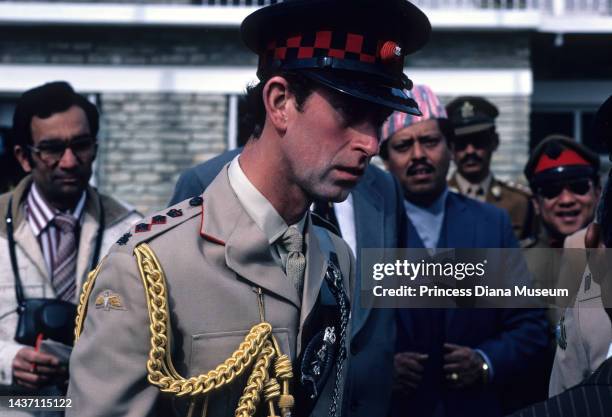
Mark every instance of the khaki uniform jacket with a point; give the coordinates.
(213, 257)
(32, 267)
(510, 196)
(585, 329)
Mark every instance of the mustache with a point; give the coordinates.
(472, 157)
(419, 165)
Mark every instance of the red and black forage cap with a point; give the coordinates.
(356, 47)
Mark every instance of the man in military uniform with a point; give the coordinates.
(564, 178)
(205, 307)
(476, 139)
(585, 338)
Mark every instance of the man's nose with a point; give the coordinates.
(566, 197)
(367, 139)
(470, 149)
(417, 151)
(68, 160)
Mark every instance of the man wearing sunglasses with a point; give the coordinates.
(473, 120)
(56, 225)
(564, 178)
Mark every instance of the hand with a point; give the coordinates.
(408, 370)
(462, 366)
(34, 369)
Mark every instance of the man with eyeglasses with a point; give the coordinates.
(54, 226)
(564, 178)
(475, 141)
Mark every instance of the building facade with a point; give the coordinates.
(168, 75)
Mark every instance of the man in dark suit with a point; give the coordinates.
(452, 362)
(372, 217)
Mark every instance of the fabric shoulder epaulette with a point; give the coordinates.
(516, 186)
(159, 223)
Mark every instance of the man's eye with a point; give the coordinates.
(430, 142)
(402, 147)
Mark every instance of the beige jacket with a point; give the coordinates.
(586, 330)
(213, 257)
(32, 268)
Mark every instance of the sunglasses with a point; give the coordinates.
(477, 141)
(579, 187)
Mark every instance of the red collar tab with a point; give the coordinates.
(567, 157)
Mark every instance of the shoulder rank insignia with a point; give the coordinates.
(109, 300)
(496, 191)
(123, 240)
(142, 227)
(175, 213)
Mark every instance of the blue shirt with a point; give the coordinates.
(428, 220)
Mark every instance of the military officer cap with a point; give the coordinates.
(559, 158)
(603, 123)
(356, 47)
(470, 115)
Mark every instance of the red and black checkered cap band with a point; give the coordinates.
(335, 49)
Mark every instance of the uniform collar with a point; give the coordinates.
(257, 206)
(466, 187)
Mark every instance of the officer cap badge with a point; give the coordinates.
(467, 110)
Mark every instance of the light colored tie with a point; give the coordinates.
(293, 241)
(64, 264)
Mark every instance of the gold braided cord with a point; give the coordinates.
(161, 371)
(259, 347)
(83, 298)
(247, 405)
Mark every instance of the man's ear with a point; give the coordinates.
(23, 157)
(278, 102)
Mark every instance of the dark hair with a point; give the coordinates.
(445, 126)
(299, 85)
(45, 101)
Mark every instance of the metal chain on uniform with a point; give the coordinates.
(334, 279)
(259, 348)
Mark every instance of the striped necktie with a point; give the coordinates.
(64, 263)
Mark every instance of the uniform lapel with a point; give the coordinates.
(247, 250)
(87, 237)
(315, 271)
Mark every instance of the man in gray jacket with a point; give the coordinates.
(54, 222)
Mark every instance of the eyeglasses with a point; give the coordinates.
(552, 190)
(51, 151)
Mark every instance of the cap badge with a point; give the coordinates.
(390, 52)
(109, 300)
(467, 110)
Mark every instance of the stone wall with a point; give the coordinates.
(149, 139)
